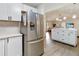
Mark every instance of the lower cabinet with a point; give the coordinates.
(1, 47)
(11, 46)
(14, 46)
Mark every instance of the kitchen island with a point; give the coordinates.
(65, 35)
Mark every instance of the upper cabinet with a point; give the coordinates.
(3, 11)
(12, 11)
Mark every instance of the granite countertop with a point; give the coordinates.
(9, 35)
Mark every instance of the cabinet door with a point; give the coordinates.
(15, 46)
(1, 47)
(3, 11)
(15, 11)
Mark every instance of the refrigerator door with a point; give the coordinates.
(32, 32)
(39, 25)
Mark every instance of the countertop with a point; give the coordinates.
(9, 35)
(65, 29)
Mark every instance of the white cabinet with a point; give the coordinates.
(10, 11)
(14, 46)
(14, 11)
(3, 11)
(11, 46)
(1, 47)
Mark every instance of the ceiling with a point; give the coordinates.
(35, 5)
(62, 7)
(67, 11)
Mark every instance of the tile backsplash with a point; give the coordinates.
(8, 27)
(9, 30)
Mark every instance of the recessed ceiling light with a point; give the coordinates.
(57, 19)
(74, 16)
(64, 18)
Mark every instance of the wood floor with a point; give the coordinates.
(53, 48)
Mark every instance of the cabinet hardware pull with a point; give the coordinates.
(7, 40)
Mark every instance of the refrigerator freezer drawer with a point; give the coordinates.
(36, 48)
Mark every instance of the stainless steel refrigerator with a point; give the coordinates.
(31, 27)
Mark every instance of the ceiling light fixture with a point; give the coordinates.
(64, 18)
(74, 16)
(57, 19)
